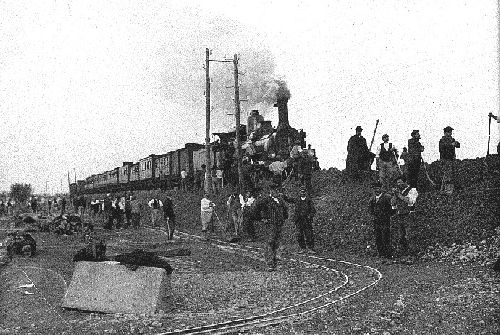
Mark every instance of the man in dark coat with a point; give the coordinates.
(358, 155)
(109, 213)
(275, 212)
(169, 216)
(447, 156)
(381, 208)
(415, 149)
(304, 214)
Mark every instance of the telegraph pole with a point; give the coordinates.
(208, 173)
(237, 117)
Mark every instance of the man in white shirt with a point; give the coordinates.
(155, 205)
(403, 202)
(386, 158)
(207, 209)
(183, 180)
(247, 214)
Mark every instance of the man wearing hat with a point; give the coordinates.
(387, 156)
(380, 208)
(357, 154)
(275, 214)
(304, 214)
(415, 149)
(447, 156)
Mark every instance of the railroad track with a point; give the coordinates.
(356, 278)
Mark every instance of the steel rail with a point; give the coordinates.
(267, 319)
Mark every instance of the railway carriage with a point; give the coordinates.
(262, 142)
(124, 173)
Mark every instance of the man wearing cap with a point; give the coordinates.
(415, 149)
(387, 156)
(380, 208)
(447, 156)
(276, 213)
(304, 214)
(357, 154)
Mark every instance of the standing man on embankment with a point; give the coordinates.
(447, 156)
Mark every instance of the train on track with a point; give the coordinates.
(261, 144)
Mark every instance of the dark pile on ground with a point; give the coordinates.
(465, 220)
(468, 217)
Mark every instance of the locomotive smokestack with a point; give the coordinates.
(282, 97)
(282, 105)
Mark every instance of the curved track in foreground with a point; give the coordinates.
(352, 284)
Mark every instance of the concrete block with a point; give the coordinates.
(112, 288)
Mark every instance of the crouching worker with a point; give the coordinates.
(404, 203)
(381, 209)
(275, 214)
(304, 214)
(207, 211)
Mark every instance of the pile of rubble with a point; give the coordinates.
(458, 227)
(485, 253)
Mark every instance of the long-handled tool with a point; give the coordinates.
(427, 173)
(169, 230)
(372, 156)
(489, 134)
(373, 137)
(218, 219)
(397, 163)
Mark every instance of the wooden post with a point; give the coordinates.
(208, 173)
(237, 117)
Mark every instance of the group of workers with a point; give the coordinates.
(388, 159)
(122, 212)
(271, 208)
(36, 204)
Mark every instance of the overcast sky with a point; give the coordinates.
(85, 86)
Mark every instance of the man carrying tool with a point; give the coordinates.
(387, 156)
(447, 156)
(415, 149)
(498, 123)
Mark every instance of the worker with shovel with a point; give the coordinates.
(491, 116)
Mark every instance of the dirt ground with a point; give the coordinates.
(220, 283)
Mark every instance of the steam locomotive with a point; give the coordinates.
(260, 144)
